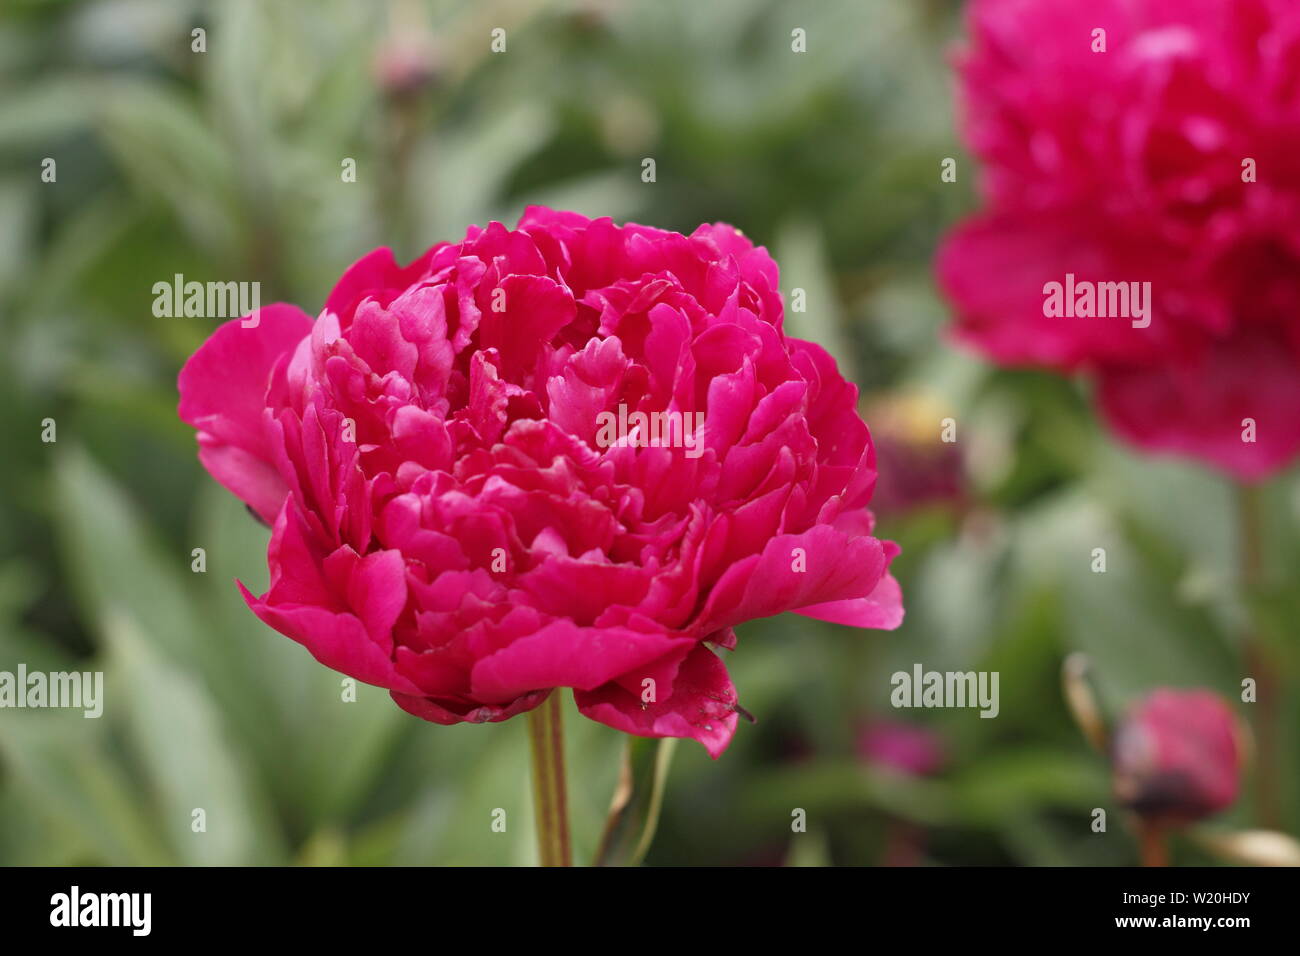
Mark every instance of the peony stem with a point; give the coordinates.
(546, 731)
(663, 757)
(1153, 844)
(1256, 657)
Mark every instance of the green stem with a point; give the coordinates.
(1256, 658)
(638, 799)
(546, 732)
(663, 757)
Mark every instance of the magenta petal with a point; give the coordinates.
(1005, 318)
(563, 654)
(375, 274)
(426, 708)
(336, 640)
(1201, 410)
(881, 609)
(224, 383)
(377, 592)
(223, 391)
(702, 705)
(249, 478)
(835, 567)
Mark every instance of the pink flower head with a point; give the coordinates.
(1142, 141)
(1177, 756)
(454, 519)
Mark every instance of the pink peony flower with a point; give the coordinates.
(1173, 157)
(1177, 756)
(453, 520)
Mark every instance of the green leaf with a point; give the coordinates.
(58, 763)
(809, 849)
(160, 652)
(826, 787)
(44, 112)
(801, 252)
(638, 799)
(178, 733)
(113, 561)
(1003, 785)
(470, 775)
(164, 146)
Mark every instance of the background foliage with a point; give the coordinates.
(226, 165)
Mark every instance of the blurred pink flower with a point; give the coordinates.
(1177, 756)
(905, 748)
(917, 468)
(1173, 157)
(449, 523)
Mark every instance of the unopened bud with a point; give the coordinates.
(1176, 757)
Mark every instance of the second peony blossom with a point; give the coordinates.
(1142, 158)
(453, 522)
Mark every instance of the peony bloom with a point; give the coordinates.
(456, 521)
(1171, 158)
(1177, 756)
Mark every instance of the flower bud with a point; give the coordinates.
(917, 467)
(1176, 757)
(406, 66)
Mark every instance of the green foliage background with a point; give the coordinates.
(226, 165)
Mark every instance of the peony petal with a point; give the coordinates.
(1005, 318)
(1204, 408)
(563, 654)
(881, 609)
(375, 275)
(446, 713)
(702, 705)
(223, 390)
(835, 567)
(338, 641)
